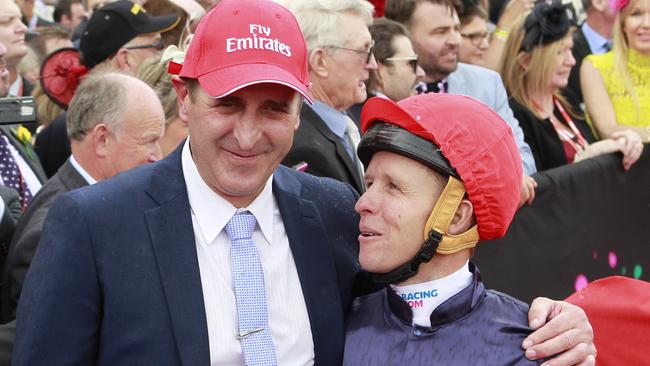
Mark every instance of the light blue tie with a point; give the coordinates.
(248, 280)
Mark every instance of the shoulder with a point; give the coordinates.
(521, 112)
(315, 188)
(602, 61)
(473, 71)
(366, 308)
(124, 190)
(506, 304)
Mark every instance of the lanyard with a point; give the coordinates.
(565, 135)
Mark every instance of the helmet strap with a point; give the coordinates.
(410, 268)
(434, 241)
(443, 214)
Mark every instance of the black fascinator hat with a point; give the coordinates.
(547, 23)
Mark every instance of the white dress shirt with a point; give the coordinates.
(288, 318)
(84, 174)
(28, 174)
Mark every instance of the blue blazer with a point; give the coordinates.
(116, 281)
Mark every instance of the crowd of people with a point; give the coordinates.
(296, 181)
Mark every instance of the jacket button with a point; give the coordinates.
(417, 332)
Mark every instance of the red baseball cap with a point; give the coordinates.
(244, 42)
(474, 140)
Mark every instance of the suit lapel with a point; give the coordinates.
(312, 254)
(172, 238)
(341, 151)
(28, 154)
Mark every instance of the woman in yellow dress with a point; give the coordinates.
(616, 85)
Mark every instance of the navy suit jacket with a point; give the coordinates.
(116, 279)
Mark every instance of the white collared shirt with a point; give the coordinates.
(84, 174)
(28, 174)
(288, 318)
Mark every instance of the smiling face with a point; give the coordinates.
(237, 141)
(636, 26)
(435, 30)
(394, 210)
(564, 62)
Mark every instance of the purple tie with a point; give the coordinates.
(11, 176)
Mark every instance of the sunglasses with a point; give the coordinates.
(159, 45)
(367, 52)
(412, 60)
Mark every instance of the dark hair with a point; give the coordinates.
(402, 10)
(546, 24)
(63, 7)
(383, 32)
(470, 11)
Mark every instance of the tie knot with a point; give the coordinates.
(241, 226)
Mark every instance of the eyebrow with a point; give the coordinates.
(267, 103)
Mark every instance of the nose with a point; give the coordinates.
(367, 203)
(247, 131)
(484, 44)
(570, 59)
(419, 73)
(372, 63)
(454, 38)
(20, 27)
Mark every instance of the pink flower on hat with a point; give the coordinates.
(617, 5)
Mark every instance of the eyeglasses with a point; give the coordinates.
(159, 45)
(412, 60)
(476, 38)
(367, 52)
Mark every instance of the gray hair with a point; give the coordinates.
(320, 20)
(100, 98)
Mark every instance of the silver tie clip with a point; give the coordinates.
(246, 333)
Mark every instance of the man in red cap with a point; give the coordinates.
(215, 254)
(443, 173)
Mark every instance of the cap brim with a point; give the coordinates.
(160, 24)
(384, 109)
(226, 81)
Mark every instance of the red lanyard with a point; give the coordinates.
(564, 135)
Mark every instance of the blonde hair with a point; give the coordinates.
(154, 73)
(46, 109)
(522, 82)
(621, 49)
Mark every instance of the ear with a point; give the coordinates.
(524, 60)
(600, 5)
(100, 139)
(463, 218)
(182, 98)
(318, 62)
(121, 59)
